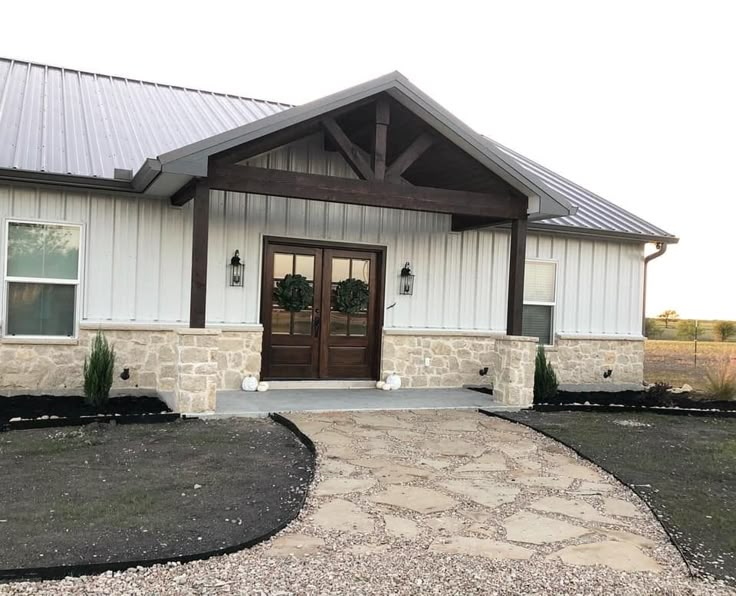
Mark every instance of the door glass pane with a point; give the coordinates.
(280, 321)
(305, 266)
(358, 325)
(340, 269)
(338, 323)
(43, 250)
(362, 270)
(303, 322)
(40, 309)
(283, 264)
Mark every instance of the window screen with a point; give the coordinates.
(539, 300)
(42, 278)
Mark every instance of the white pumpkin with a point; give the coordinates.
(380, 384)
(262, 386)
(386, 387)
(250, 383)
(394, 381)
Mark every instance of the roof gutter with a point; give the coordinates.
(661, 249)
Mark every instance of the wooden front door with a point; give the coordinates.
(321, 341)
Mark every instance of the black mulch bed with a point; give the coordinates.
(110, 494)
(639, 399)
(74, 406)
(684, 467)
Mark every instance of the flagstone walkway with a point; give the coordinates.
(463, 483)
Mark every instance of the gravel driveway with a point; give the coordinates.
(436, 502)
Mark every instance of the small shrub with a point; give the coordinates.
(721, 382)
(687, 329)
(652, 330)
(545, 379)
(724, 330)
(98, 369)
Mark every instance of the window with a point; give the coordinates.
(539, 300)
(41, 278)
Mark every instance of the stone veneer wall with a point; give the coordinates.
(239, 355)
(579, 360)
(153, 355)
(195, 388)
(150, 356)
(456, 359)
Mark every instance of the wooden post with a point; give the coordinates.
(383, 117)
(516, 276)
(200, 234)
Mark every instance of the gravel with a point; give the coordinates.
(388, 566)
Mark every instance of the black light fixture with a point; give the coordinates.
(406, 287)
(236, 270)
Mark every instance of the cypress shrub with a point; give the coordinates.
(98, 369)
(545, 378)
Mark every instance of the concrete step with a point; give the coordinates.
(317, 384)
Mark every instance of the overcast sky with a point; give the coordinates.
(634, 100)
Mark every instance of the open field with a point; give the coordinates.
(674, 361)
(705, 330)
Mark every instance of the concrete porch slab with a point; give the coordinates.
(241, 403)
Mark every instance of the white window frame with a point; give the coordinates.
(552, 304)
(7, 279)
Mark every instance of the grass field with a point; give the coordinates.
(674, 361)
(705, 330)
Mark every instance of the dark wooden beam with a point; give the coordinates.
(184, 194)
(413, 152)
(517, 261)
(349, 150)
(200, 233)
(463, 223)
(362, 192)
(383, 117)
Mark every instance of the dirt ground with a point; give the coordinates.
(674, 361)
(104, 493)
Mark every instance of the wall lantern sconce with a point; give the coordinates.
(236, 270)
(406, 287)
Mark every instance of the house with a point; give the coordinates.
(170, 218)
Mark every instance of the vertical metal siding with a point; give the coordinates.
(138, 256)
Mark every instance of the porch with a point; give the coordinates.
(402, 153)
(238, 403)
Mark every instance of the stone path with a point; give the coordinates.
(435, 502)
(462, 483)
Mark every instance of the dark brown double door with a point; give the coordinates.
(320, 341)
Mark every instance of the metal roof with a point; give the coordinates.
(594, 213)
(85, 124)
(73, 123)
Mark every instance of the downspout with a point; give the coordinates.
(661, 249)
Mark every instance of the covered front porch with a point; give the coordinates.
(404, 154)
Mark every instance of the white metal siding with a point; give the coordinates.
(137, 255)
(138, 258)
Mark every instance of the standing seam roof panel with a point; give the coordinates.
(72, 122)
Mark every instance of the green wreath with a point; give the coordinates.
(293, 293)
(351, 296)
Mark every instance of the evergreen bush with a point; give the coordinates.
(545, 378)
(98, 369)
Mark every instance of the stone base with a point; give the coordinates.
(179, 361)
(580, 360)
(195, 389)
(455, 360)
